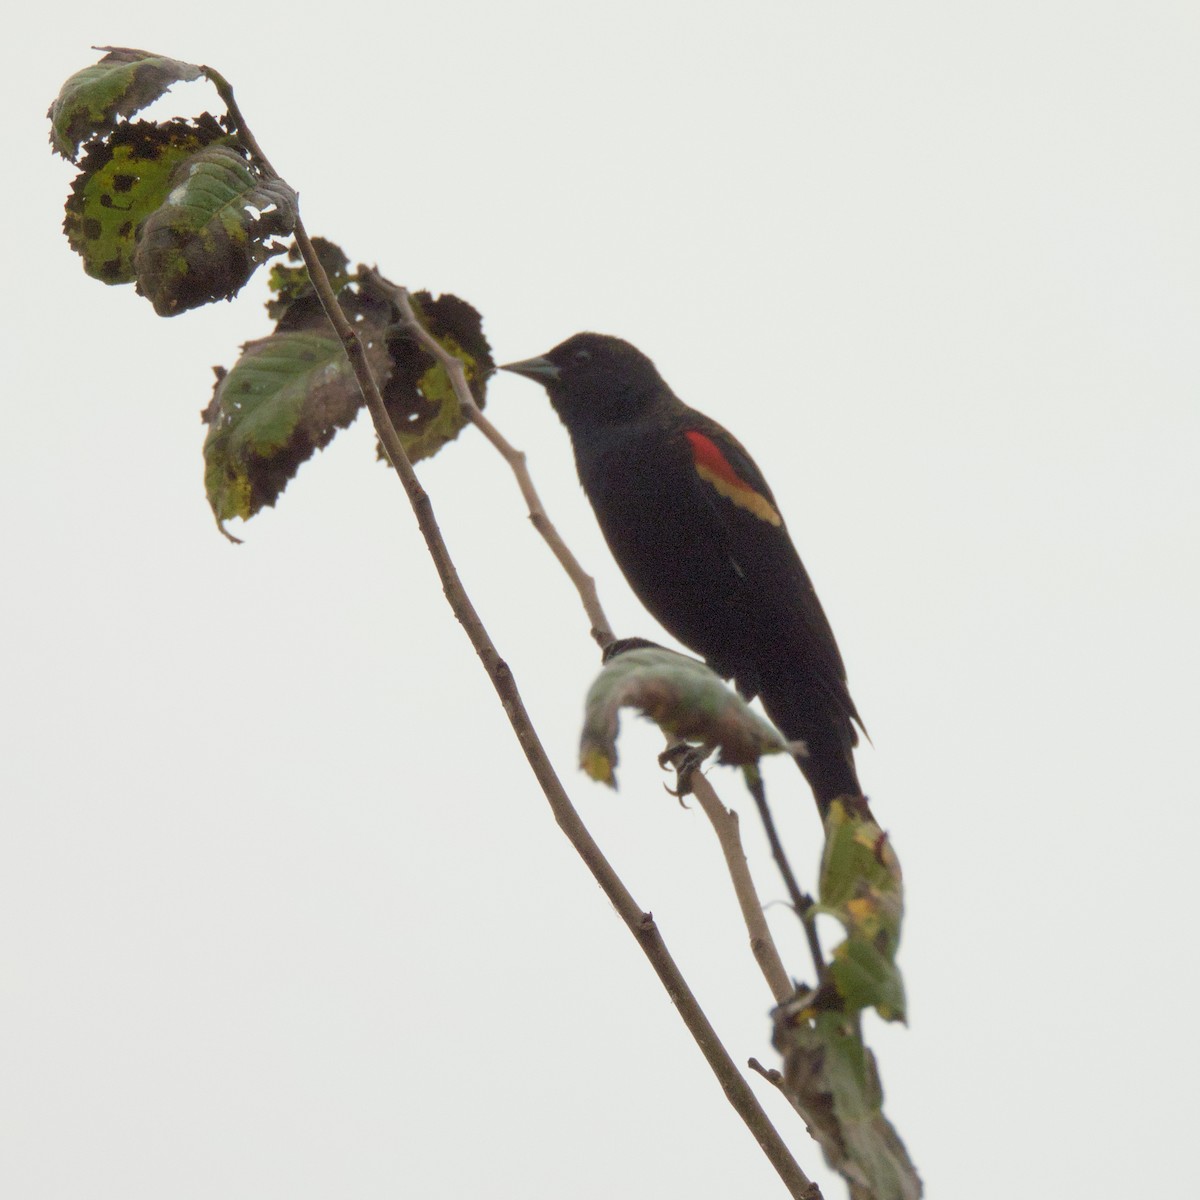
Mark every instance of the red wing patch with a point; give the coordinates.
(714, 468)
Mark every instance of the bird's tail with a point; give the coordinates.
(829, 735)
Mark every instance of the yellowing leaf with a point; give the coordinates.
(420, 399)
(121, 181)
(862, 886)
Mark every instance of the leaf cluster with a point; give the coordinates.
(290, 392)
(829, 1074)
(178, 208)
(186, 209)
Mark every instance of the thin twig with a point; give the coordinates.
(225, 91)
(585, 585)
(801, 900)
(640, 923)
(770, 1074)
(725, 824)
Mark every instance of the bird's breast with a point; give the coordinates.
(651, 507)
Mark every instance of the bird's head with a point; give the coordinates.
(595, 380)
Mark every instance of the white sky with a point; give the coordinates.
(282, 912)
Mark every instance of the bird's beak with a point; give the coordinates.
(542, 370)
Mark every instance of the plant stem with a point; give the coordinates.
(585, 585)
(801, 900)
(725, 824)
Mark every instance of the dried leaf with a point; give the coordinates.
(832, 1079)
(420, 399)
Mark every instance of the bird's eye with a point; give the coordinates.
(582, 356)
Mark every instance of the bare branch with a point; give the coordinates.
(770, 1074)
(725, 824)
(585, 585)
(801, 900)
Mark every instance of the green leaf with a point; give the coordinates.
(289, 393)
(866, 976)
(285, 397)
(832, 1078)
(211, 232)
(862, 886)
(683, 697)
(121, 181)
(419, 398)
(120, 84)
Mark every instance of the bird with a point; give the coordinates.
(699, 537)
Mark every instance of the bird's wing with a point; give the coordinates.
(757, 544)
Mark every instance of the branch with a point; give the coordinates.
(801, 901)
(585, 585)
(725, 824)
(225, 91)
(640, 923)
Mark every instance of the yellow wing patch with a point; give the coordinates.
(714, 468)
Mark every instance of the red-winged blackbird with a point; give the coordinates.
(696, 531)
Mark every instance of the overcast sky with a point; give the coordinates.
(282, 912)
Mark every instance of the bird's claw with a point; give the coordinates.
(683, 758)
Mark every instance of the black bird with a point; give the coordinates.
(696, 532)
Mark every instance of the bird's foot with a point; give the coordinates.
(683, 758)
